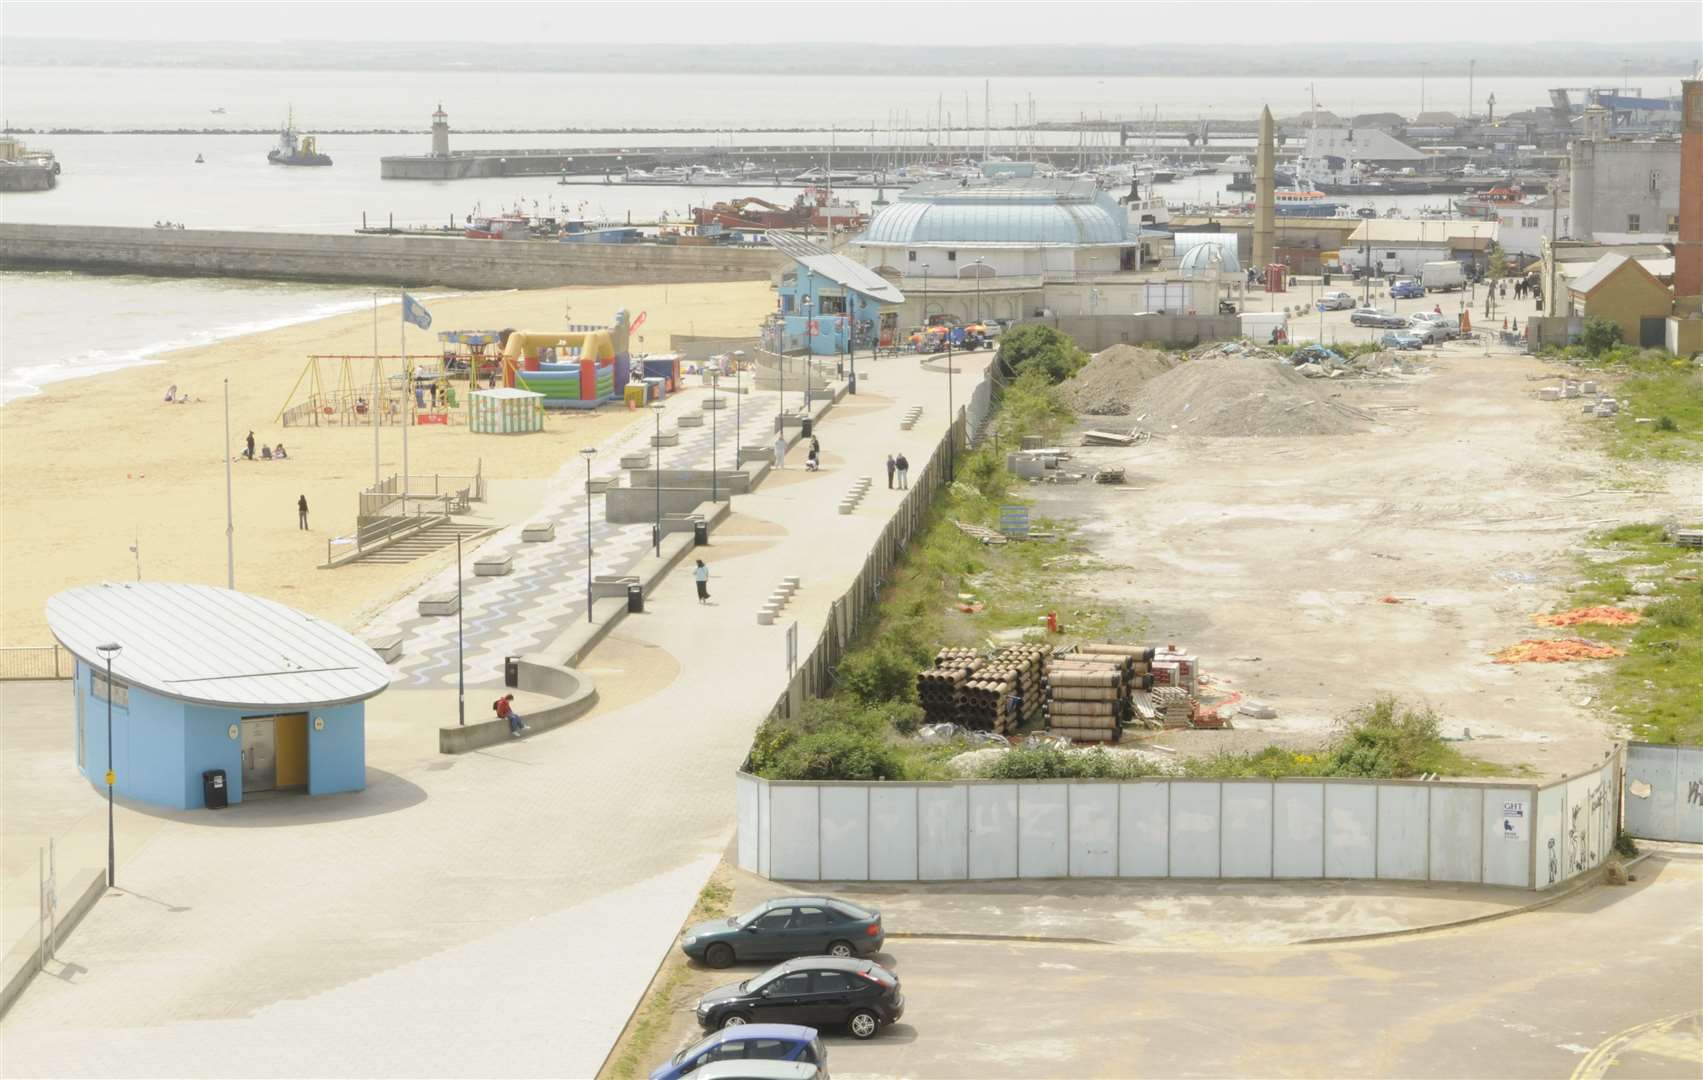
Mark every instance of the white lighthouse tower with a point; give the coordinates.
(440, 132)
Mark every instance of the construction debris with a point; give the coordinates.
(1111, 438)
(1110, 379)
(980, 532)
(1595, 616)
(1554, 650)
(1251, 393)
(1109, 476)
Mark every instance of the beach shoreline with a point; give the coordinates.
(94, 465)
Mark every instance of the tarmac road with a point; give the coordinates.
(1584, 988)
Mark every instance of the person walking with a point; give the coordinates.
(301, 512)
(701, 575)
(249, 454)
(780, 450)
(892, 466)
(505, 711)
(904, 468)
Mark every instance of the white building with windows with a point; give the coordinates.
(1622, 185)
(1401, 247)
(1525, 226)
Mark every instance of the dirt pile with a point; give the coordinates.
(1235, 395)
(1105, 386)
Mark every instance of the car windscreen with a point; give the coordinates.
(757, 982)
(750, 916)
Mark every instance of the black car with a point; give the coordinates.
(814, 991)
(787, 926)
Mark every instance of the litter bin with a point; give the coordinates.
(700, 532)
(809, 426)
(213, 792)
(635, 598)
(511, 671)
(1326, 276)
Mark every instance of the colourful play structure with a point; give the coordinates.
(578, 368)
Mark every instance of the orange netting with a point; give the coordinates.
(1553, 650)
(1597, 616)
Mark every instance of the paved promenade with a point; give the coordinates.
(497, 913)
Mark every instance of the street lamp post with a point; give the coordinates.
(656, 529)
(715, 431)
(107, 653)
(588, 453)
(738, 405)
(980, 264)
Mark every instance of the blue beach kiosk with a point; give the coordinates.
(208, 678)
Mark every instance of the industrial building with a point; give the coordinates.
(1402, 247)
(206, 679)
(1623, 185)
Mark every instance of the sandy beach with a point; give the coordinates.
(93, 465)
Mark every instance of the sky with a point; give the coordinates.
(975, 22)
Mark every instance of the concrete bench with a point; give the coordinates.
(493, 565)
(636, 461)
(715, 402)
(599, 484)
(442, 604)
(667, 438)
(756, 453)
(612, 586)
(388, 647)
(692, 420)
(539, 532)
(766, 617)
(848, 505)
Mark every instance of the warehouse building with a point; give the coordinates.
(207, 679)
(1402, 247)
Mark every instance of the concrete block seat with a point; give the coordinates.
(636, 461)
(716, 402)
(388, 647)
(446, 603)
(498, 565)
(539, 532)
(692, 420)
(599, 484)
(758, 452)
(766, 617)
(667, 438)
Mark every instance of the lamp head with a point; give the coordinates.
(109, 650)
(589, 452)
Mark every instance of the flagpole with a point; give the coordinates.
(407, 395)
(377, 399)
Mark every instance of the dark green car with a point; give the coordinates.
(785, 927)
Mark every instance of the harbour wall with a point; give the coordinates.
(377, 260)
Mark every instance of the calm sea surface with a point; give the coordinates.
(141, 179)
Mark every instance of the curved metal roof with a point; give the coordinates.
(1013, 214)
(212, 646)
(1204, 255)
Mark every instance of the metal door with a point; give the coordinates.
(259, 755)
(1652, 333)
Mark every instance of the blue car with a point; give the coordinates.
(746, 1042)
(1407, 290)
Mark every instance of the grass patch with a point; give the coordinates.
(1658, 685)
(1662, 388)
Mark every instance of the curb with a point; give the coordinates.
(1029, 938)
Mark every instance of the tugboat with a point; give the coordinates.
(294, 150)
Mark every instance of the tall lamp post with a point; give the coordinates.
(980, 264)
(656, 529)
(715, 432)
(738, 404)
(588, 453)
(107, 652)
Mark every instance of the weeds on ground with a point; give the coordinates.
(1384, 740)
(1662, 388)
(1657, 687)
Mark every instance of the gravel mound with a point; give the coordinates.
(1105, 386)
(1238, 396)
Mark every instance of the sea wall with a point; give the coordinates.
(377, 260)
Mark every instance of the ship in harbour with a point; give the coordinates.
(294, 149)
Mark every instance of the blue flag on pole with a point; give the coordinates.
(415, 312)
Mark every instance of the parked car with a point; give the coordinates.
(1401, 339)
(768, 1042)
(1432, 327)
(787, 926)
(1374, 317)
(1407, 289)
(759, 1069)
(1335, 301)
(861, 995)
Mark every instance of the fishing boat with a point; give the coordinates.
(294, 149)
(1486, 203)
(497, 227)
(1298, 203)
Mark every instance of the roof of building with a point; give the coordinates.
(790, 243)
(1450, 231)
(853, 275)
(1608, 266)
(1203, 251)
(1011, 213)
(212, 646)
(1361, 144)
(1573, 251)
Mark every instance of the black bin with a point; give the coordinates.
(511, 671)
(809, 426)
(213, 792)
(635, 598)
(700, 532)
(1327, 277)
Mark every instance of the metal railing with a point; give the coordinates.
(375, 534)
(36, 662)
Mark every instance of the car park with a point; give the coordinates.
(822, 991)
(1406, 289)
(1401, 339)
(1335, 301)
(787, 926)
(1374, 317)
(748, 1042)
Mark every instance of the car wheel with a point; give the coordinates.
(841, 949)
(718, 955)
(862, 1024)
(734, 1019)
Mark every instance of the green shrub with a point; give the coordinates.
(1599, 336)
(1271, 763)
(1038, 347)
(1665, 423)
(1385, 740)
(838, 754)
(1053, 763)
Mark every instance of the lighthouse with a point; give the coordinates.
(440, 132)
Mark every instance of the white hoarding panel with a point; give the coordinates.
(942, 848)
(1298, 830)
(1043, 830)
(1194, 829)
(1351, 830)
(1688, 795)
(1510, 823)
(764, 837)
(892, 833)
(794, 851)
(746, 791)
(1457, 833)
(1586, 823)
(1144, 829)
(1652, 792)
(1550, 834)
(1093, 830)
(1402, 820)
(845, 834)
(993, 831)
(1246, 841)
